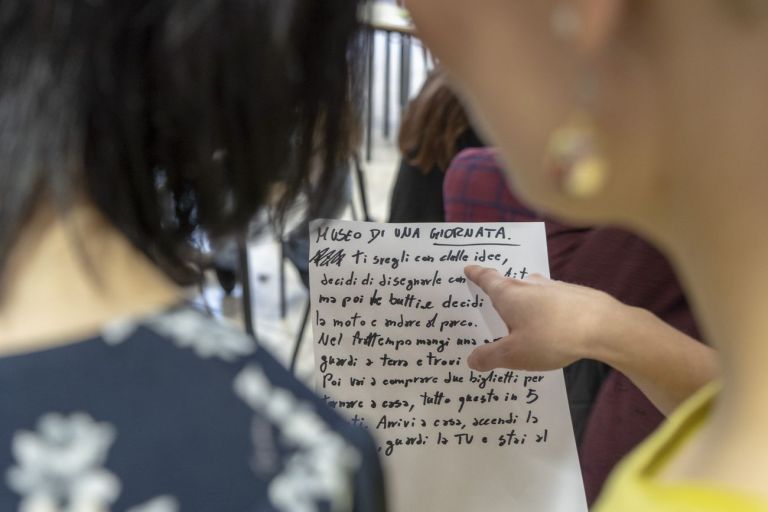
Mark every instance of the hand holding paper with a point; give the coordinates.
(551, 324)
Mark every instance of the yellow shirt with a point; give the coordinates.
(633, 487)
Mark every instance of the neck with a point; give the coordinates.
(68, 277)
(722, 259)
(711, 206)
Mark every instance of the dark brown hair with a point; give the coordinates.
(172, 116)
(432, 125)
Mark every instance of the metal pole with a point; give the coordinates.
(387, 79)
(245, 273)
(403, 60)
(369, 113)
(361, 185)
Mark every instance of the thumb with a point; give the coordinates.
(491, 356)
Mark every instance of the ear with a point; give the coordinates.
(599, 19)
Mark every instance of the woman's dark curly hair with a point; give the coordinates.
(171, 115)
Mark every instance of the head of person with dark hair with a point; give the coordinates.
(167, 116)
(138, 123)
(131, 130)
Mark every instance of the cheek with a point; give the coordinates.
(520, 127)
(522, 150)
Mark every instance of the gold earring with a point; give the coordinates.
(579, 168)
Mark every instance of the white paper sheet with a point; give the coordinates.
(394, 320)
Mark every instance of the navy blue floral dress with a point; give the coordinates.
(174, 413)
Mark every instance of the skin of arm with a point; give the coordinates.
(554, 324)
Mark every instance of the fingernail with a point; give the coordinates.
(472, 361)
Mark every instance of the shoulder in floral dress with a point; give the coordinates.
(174, 413)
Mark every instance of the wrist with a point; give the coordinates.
(612, 342)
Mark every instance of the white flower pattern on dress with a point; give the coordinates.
(61, 465)
(189, 329)
(117, 331)
(161, 504)
(60, 468)
(323, 465)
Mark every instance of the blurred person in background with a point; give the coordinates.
(650, 115)
(435, 128)
(128, 128)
